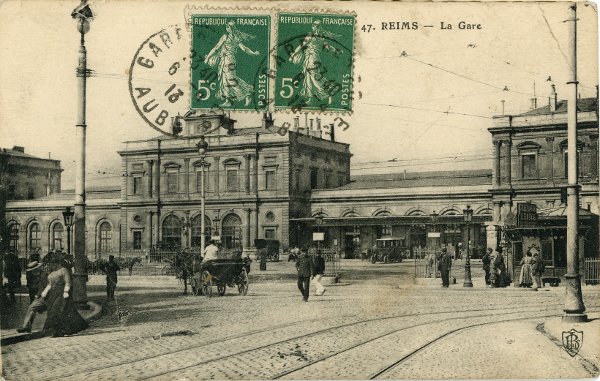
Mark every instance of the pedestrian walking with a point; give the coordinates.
(110, 269)
(429, 265)
(498, 270)
(37, 280)
(485, 261)
(34, 273)
(445, 266)
(262, 253)
(305, 269)
(537, 267)
(12, 272)
(526, 275)
(62, 318)
(319, 270)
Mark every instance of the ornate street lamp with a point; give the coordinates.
(82, 15)
(68, 217)
(202, 147)
(468, 216)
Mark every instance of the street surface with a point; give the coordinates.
(374, 324)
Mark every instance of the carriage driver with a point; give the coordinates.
(211, 252)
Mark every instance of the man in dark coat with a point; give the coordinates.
(305, 268)
(12, 272)
(34, 273)
(445, 266)
(485, 261)
(111, 269)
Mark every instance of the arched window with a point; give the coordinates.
(197, 227)
(105, 237)
(35, 236)
(231, 233)
(171, 231)
(57, 236)
(13, 242)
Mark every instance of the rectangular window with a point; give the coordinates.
(30, 191)
(529, 166)
(137, 166)
(233, 182)
(36, 240)
(270, 233)
(314, 178)
(172, 182)
(14, 238)
(199, 181)
(137, 240)
(341, 178)
(386, 230)
(270, 180)
(327, 180)
(137, 184)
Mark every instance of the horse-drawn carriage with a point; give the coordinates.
(219, 274)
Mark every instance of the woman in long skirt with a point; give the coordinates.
(63, 318)
(526, 277)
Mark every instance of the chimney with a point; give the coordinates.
(267, 120)
(264, 121)
(311, 126)
(533, 103)
(332, 132)
(553, 97)
(503, 106)
(19, 149)
(318, 132)
(296, 124)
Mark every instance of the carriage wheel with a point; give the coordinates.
(221, 289)
(243, 284)
(206, 283)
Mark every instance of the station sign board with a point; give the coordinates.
(527, 215)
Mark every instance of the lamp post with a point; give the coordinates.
(82, 15)
(202, 146)
(68, 217)
(468, 216)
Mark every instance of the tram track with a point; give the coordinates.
(412, 353)
(403, 359)
(313, 334)
(286, 326)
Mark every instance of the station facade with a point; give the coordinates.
(262, 182)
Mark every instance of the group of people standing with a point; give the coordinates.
(495, 268)
(532, 268)
(310, 269)
(50, 290)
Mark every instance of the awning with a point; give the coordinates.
(389, 220)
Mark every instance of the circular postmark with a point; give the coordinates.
(159, 82)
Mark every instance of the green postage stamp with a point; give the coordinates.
(230, 62)
(314, 62)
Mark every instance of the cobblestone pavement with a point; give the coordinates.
(355, 331)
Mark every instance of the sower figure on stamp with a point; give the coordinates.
(308, 53)
(445, 266)
(231, 87)
(111, 269)
(304, 265)
(319, 270)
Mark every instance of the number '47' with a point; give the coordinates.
(367, 28)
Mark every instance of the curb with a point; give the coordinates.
(96, 310)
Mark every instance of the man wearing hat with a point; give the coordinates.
(35, 275)
(445, 266)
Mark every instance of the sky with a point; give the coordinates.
(423, 99)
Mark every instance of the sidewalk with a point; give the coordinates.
(590, 345)
(12, 318)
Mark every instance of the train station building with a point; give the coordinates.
(286, 183)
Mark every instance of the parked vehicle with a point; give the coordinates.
(272, 246)
(220, 274)
(388, 249)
